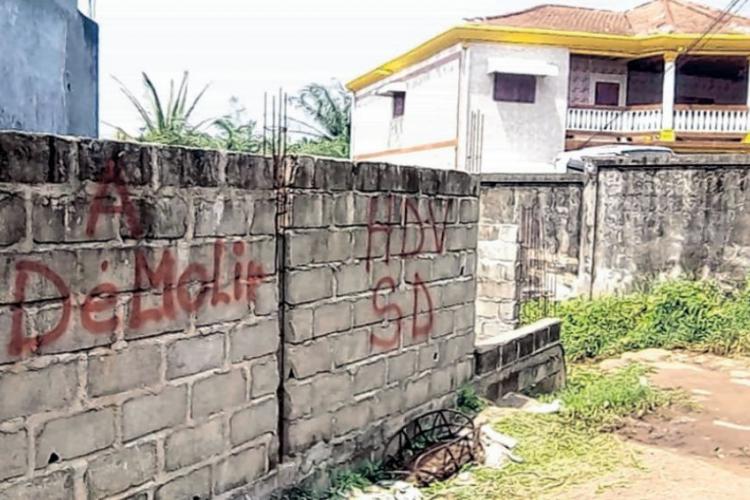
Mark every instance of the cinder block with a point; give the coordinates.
(429, 357)
(402, 366)
(152, 413)
(218, 392)
(416, 392)
(195, 485)
(332, 317)
(71, 437)
(136, 366)
(254, 341)
(305, 360)
(120, 470)
(298, 399)
(162, 217)
(369, 377)
(349, 347)
(303, 433)
(188, 446)
(194, 355)
(264, 217)
(249, 172)
(455, 349)
(55, 486)
(298, 325)
(221, 216)
(132, 160)
(469, 211)
(264, 377)
(267, 298)
(240, 469)
(309, 286)
(13, 215)
(258, 419)
(37, 391)
(310, 210)
(13, 458)
(352, 417)
(26, 159)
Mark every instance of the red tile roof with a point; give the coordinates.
(657, 16)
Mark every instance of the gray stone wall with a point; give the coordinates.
(689, 218)
(179, 323)
(625, 223)
(49, 68)
(529, 232)
(379, 316)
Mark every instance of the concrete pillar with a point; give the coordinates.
(746, 139)
(667, 107)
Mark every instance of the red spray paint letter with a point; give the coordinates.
(19, 343)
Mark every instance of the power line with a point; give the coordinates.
(717, 23)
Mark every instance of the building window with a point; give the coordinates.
(607, 94)
(515, 88)
(399, 103)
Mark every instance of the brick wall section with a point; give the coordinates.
(141, 340)
(498, 278)
(379, 301)
(530, 357)
(124, 368)
(547, 209)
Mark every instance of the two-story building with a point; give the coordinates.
(511, 92)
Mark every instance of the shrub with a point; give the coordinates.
(695, 315)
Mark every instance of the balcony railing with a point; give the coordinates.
(710, 119)
(692, 119)
(618, 120)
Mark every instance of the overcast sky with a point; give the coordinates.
(244, 47)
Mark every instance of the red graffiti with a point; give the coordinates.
(198, 286)
(415, 229)
(101, 203)
(195, 289)
(19, 343)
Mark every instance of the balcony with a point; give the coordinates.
(689, 103)
(636, 119)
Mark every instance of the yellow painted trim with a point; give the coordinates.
(746, 139)
(410, 149)
(577, 42)
(667, 135)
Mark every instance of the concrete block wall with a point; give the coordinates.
(139, 325)
(381, 265)
(498, 278)
(180, 323)
(530, 357)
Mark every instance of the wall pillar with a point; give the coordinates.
(746, 139)
(667, 133)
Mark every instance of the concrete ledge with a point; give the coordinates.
(531, 356)
(531, 179)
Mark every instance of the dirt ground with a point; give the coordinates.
(699, 453)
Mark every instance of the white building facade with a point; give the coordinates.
(509, 94)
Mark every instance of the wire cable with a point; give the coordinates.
(730, 10)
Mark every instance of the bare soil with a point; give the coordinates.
(687, 453)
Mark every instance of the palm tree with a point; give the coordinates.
(168, 124)
(328, 109)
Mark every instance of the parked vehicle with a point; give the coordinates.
(573, 161)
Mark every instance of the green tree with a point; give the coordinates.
(170, 123)
(327, 126)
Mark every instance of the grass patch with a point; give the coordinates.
(599, 400)
(695, 315)
(568, 448)
(340, 483)
(469, 402)
(556, 455)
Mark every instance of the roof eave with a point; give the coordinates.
(577, 41)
